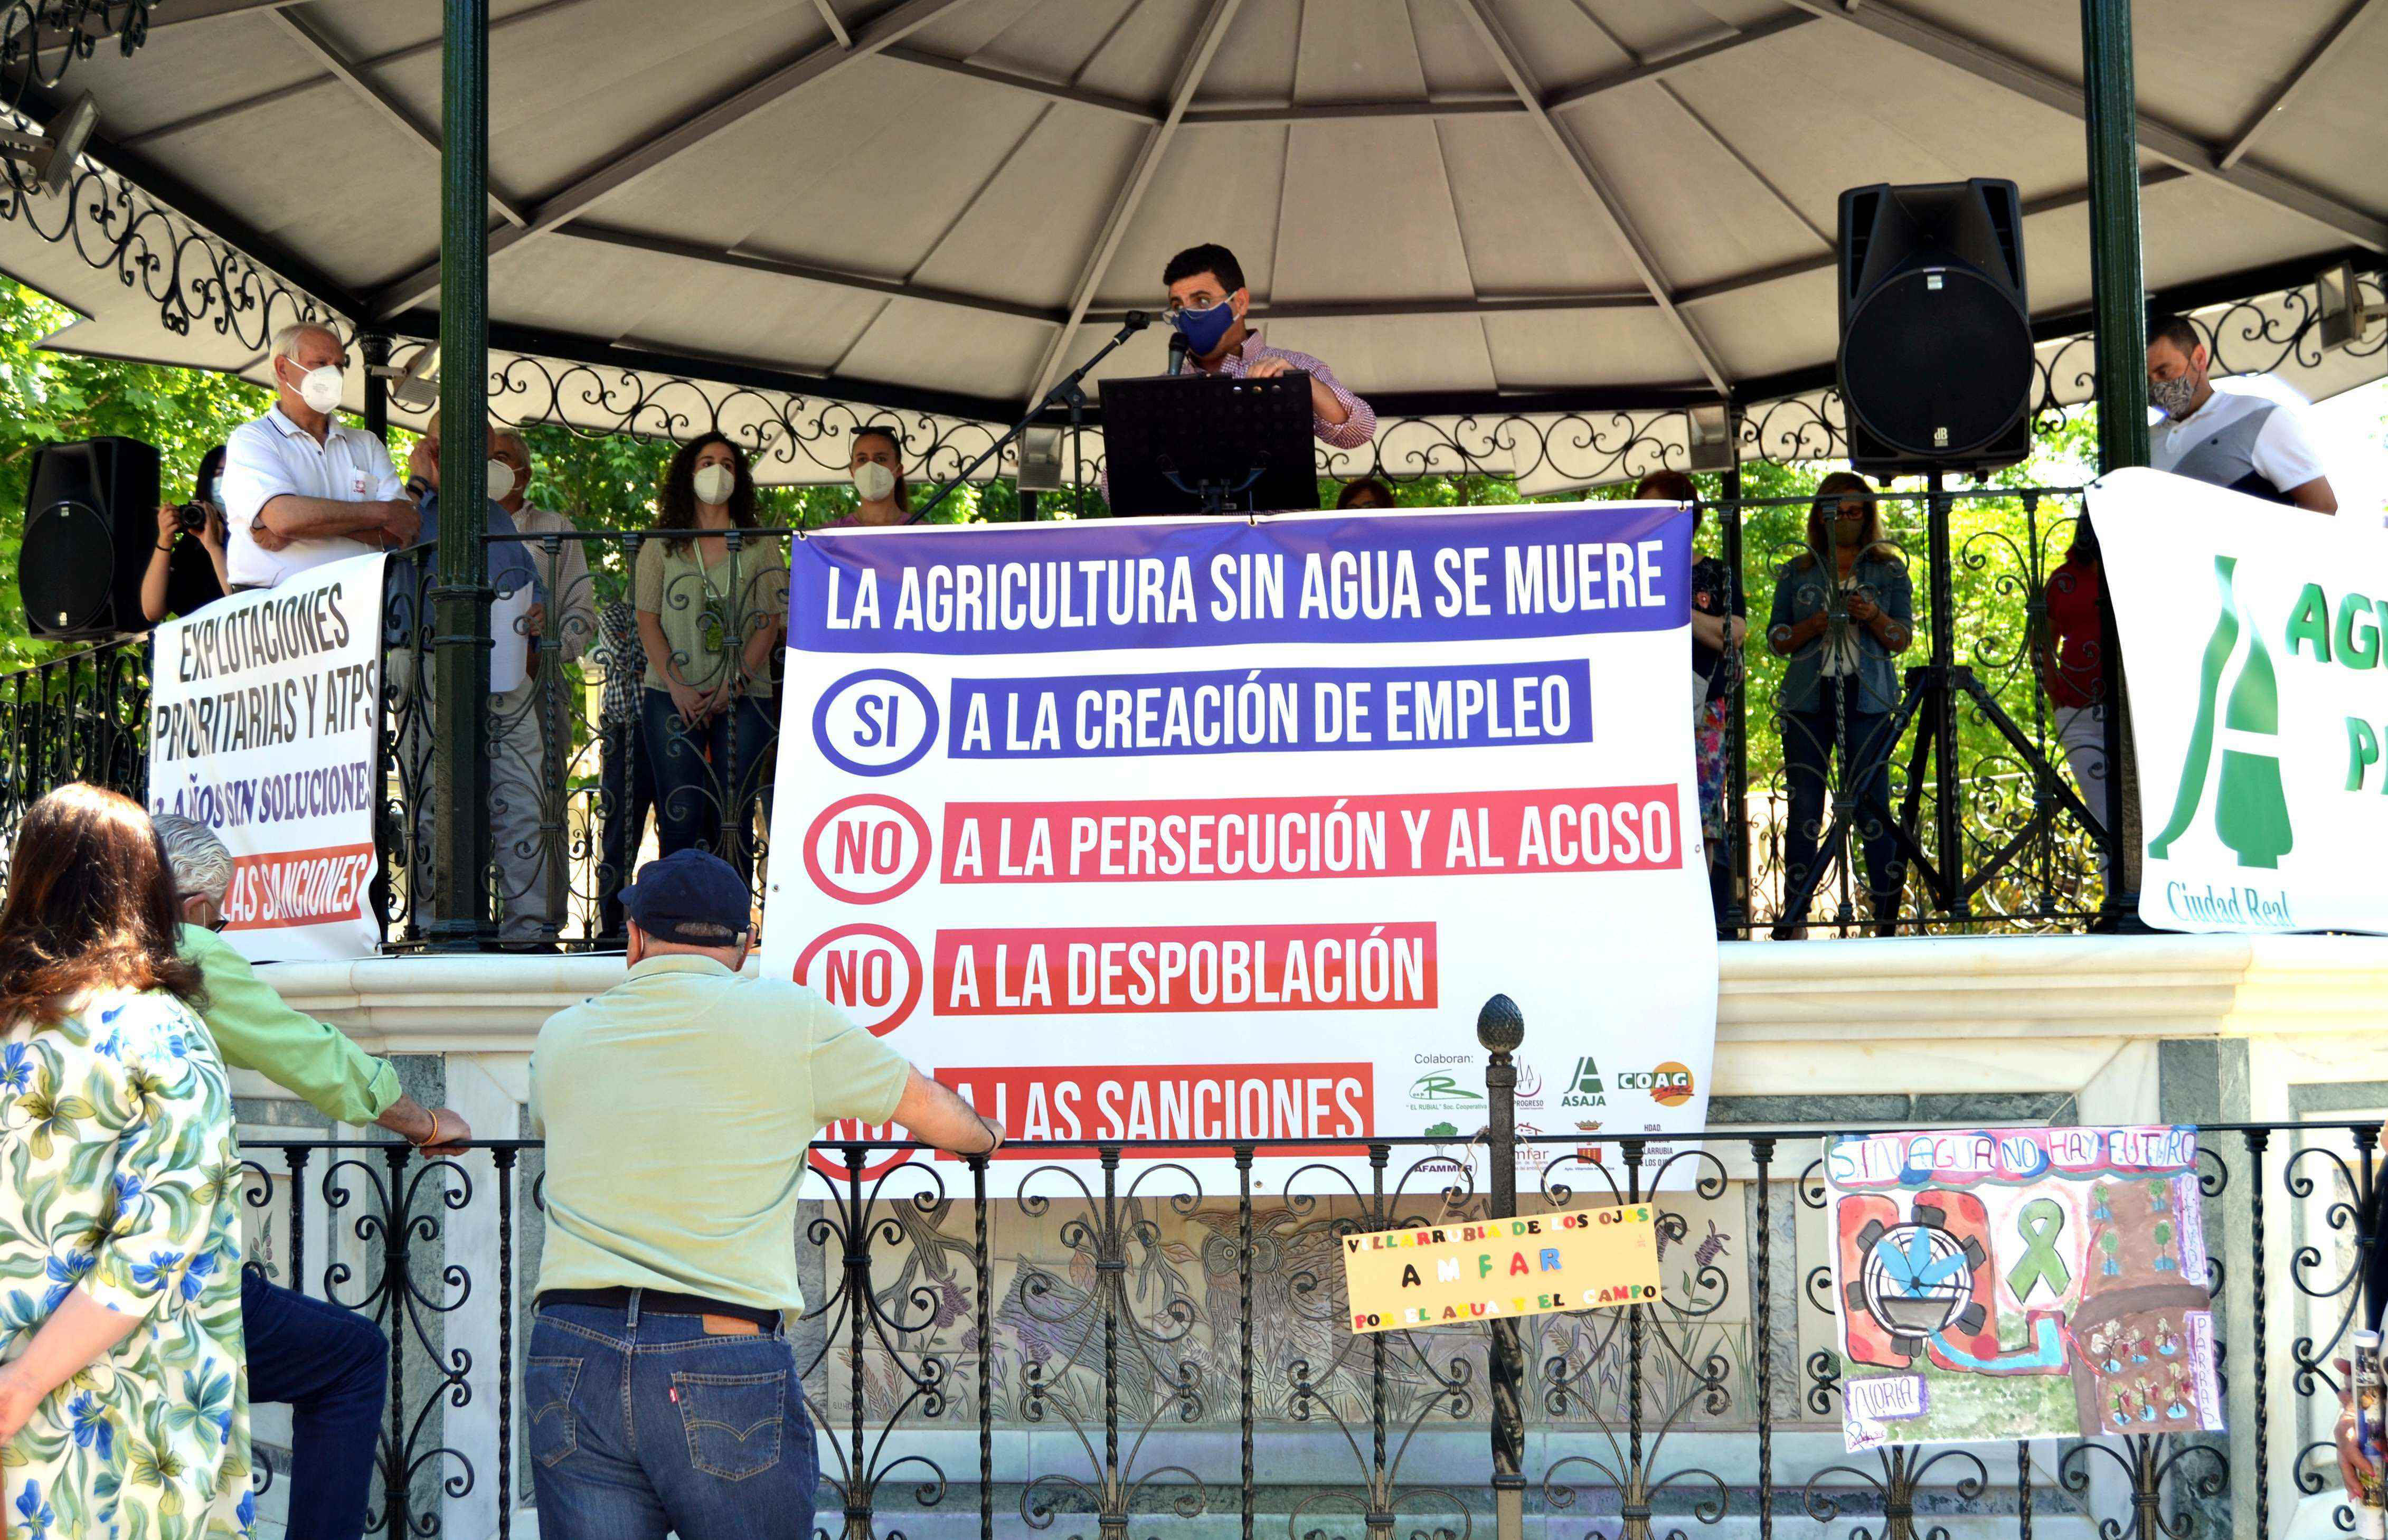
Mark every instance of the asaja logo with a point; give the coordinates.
(1584, 1088)
(2251, 814)
(1669, 1085)
(1440, 1087)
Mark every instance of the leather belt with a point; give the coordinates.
(661, 1302)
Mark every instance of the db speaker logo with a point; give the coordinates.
(867, 849)
(1669, 1085)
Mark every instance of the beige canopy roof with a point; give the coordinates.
(938, 207)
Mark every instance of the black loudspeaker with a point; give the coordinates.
(91, 521)
(1936, 361)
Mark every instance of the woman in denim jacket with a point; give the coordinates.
(1843, 611)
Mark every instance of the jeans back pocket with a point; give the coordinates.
(548, 1384)
(733, 1421)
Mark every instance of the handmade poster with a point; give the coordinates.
(1453, 1275)
(264, 725)
(2016, 1283)
(2259, 689)
(1186, 832)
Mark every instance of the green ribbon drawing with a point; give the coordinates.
(2041, 1221)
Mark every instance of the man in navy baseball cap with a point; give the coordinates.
(677, 1107)
(691, 897)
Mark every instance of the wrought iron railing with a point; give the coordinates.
(1982, 805)
(1146, 1336)
(1964, 794)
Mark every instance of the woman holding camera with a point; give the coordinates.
(201, 519)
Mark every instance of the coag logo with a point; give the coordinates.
(2251, 814)
(1584, 1088)
(1440, 1087)
(1669, 1085)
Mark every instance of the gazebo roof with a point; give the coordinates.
(943, 205)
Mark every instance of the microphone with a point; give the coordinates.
(1178, 348)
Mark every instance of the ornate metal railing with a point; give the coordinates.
(1981, 805)
(83, 715)
(1964, 797)
(1113, 1354)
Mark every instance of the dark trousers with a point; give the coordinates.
(709, 778)
(1863, 742)
(625, 795)
(331, 1366)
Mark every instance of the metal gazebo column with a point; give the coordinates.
(2118, 298)
(2118, 288)
(460, 601)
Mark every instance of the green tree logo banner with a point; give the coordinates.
(2252, 647)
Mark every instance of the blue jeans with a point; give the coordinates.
(641, 1425)
(708, 779)
(331, 1365)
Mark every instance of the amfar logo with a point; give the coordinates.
(1584, 1087)
(2251, 812)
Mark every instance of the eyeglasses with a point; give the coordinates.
(1178, 307)
(221, 921)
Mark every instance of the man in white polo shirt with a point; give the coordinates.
(298, 489)
(2232, 439)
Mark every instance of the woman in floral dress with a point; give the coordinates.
(124, 1397)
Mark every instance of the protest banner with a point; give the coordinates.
(1457, 1274)
(2013, 1283)
(264, 725)
(1196, 830)
(2259, 689)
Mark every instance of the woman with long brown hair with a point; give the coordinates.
(124, 1395)
(710, 617)
(1844, 610)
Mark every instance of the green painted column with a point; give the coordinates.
(2119, 295)
(2118, 285)
(460, 597)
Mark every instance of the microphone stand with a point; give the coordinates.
(1070, 392)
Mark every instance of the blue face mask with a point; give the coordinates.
(1205, 329)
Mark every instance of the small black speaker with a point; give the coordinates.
(1935, 361)
(91, 521)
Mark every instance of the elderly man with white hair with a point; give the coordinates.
(298, 489)
(329, 1364)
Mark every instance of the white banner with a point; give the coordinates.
(264, 717)
(1204, 830)
(2252, 649)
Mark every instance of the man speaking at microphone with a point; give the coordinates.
(1207, 304)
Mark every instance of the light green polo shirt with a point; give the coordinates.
(677, 1108)
(254, 1030)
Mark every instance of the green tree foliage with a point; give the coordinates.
(46, 396)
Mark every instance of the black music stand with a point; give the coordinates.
(1208, 444)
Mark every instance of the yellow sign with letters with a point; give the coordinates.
(1477, 1269)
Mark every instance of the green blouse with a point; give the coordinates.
(709, 613)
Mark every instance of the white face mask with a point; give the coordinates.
(875, 481)
(321, 389)
(714, 484)
(502, 480)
